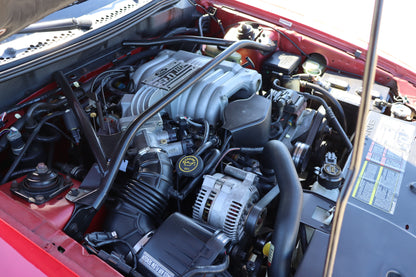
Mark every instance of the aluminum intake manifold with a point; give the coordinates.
(206, 99)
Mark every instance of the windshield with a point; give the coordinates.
(351, 21)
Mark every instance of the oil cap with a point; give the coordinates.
(189, 166)
(330, 173)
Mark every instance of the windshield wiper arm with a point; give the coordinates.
(59, 25)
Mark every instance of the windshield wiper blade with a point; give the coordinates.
(59, 25)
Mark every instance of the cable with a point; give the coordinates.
(30, 102)
(28, 143)
(330, 98)
(225, 154)
(208, 268)
(193, 123)
(201, 31)
(119, 72)
(107, 242)
(331, 118)
(205, 146)
(4, 131)
(206, 131)
(330, 115)
(275, 29)
(198, 40)
(21, 172)
(83, 216)
(33, 111)
(213, 157)
(291, 41)
(60, 131)
(226, 142)
(205, 125)
(218, 21)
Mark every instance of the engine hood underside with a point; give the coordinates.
(16, 15)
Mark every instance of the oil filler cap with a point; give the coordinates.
(189, 166)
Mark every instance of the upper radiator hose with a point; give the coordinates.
(277, 157)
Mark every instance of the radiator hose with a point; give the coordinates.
(286, 226)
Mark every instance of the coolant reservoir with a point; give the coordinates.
(251, 31)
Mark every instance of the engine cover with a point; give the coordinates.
(206, 99)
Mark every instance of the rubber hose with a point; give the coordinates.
(276, 156)
(214, 155)
(206, 269)
(29, 116)
(205, 146)
(195, 39)
(28, 143)
(124, 143)
(341, 115)
(331, 118)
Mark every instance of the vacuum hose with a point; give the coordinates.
(277, 157)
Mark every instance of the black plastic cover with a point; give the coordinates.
(378, 232)
(179, 245)
(282, 62)
(249, 121)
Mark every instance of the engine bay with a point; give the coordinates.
(216, 148)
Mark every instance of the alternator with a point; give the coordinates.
(224, 201)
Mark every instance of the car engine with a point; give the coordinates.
(188, 155)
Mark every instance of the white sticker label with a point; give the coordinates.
(381, 175)
(154, 266)
(285, 22)
(270, 257)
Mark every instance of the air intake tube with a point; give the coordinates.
(277, 157)
(140, 202)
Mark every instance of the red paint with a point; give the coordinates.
(57, 210)
(13, 257)
(31, 237)
(338, 53)
(47, 88)
(107, 66)
(408, 90)
(30, 253)
(35, 234)
(229, 15)
(257, 56)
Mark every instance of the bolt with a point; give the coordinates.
(73, 192)
(41, 168)
(39, 198)
(251, 266)
(14, 184)
(412, 187)
(10, 52)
